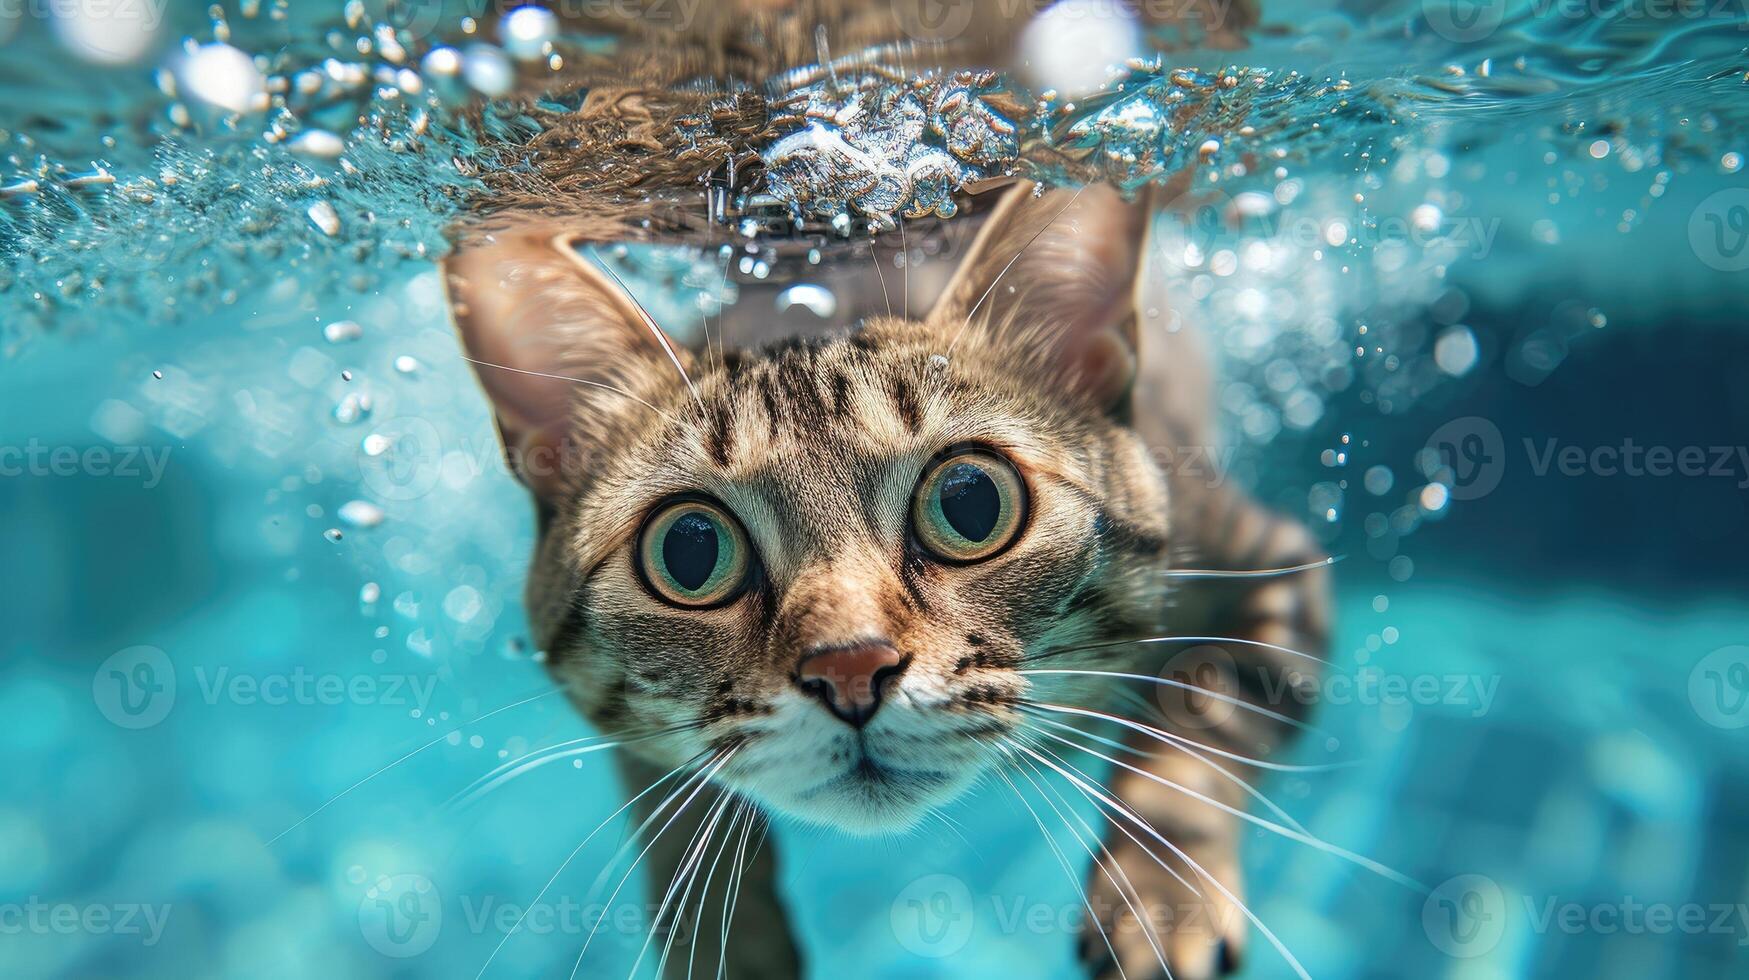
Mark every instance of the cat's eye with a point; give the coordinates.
(693, 553)
(969, 505)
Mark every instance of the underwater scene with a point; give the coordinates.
(1471, 279)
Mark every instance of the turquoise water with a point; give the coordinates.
(1531, 241)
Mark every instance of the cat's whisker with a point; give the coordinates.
(654, 329)
(1198, 573)
(742, 856)
(1196, 689)
(1121, 828)
(436, 741)
(1069, 872)
(1172, 738)
(1149, 640)
(692, 862)
(1269, 825)
(994, 282)
(1106, 862)
(905, 248)
(704, 893)
(552, 753)
(577, 850)
(880, 274)
(1228, 774)
(698, 782)
(576, 381)
(1129, 814)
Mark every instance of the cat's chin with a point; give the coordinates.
(872, 803)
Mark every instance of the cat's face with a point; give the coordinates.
(829, 565)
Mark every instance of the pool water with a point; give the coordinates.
(258, 544)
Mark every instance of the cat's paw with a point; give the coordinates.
(1187, 926)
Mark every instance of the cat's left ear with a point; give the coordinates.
(565, 355)
(1051, 279)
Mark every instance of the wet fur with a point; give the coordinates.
(815, 445)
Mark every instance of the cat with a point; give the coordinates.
(813, 577)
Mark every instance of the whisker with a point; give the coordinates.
(698, 783)
(1068, 872)
(1269, 825)
(1250, 572)
(577, 850)
(1231, 776)
(1201, 872)
(704, 893)
(576, 381)
(655, 330)
(1126, 888)
(1133, 838)
(1148, 640)
(520, 766)
(1212, 695)
(692, 861)
(905, 247)
(1171, 738)
(454, 731)
(992, 287)
(732, 895)
(880, 273)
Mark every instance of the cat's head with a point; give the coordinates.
(830, 560)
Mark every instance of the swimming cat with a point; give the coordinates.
(828, 578)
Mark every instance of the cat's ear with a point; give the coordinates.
(1051, 279)
(560, 348)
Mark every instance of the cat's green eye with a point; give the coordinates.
(968, 506)
(693, 553)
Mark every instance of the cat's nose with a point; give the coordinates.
(849, 679)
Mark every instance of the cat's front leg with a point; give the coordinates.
(1162, 907)
(721, 848)
(1235, 691)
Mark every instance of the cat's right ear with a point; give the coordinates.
(563, 353)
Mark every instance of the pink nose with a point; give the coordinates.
(849, 679)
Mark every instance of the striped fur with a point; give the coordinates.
(1041, 348)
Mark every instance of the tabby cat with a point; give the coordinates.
(815, 576)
